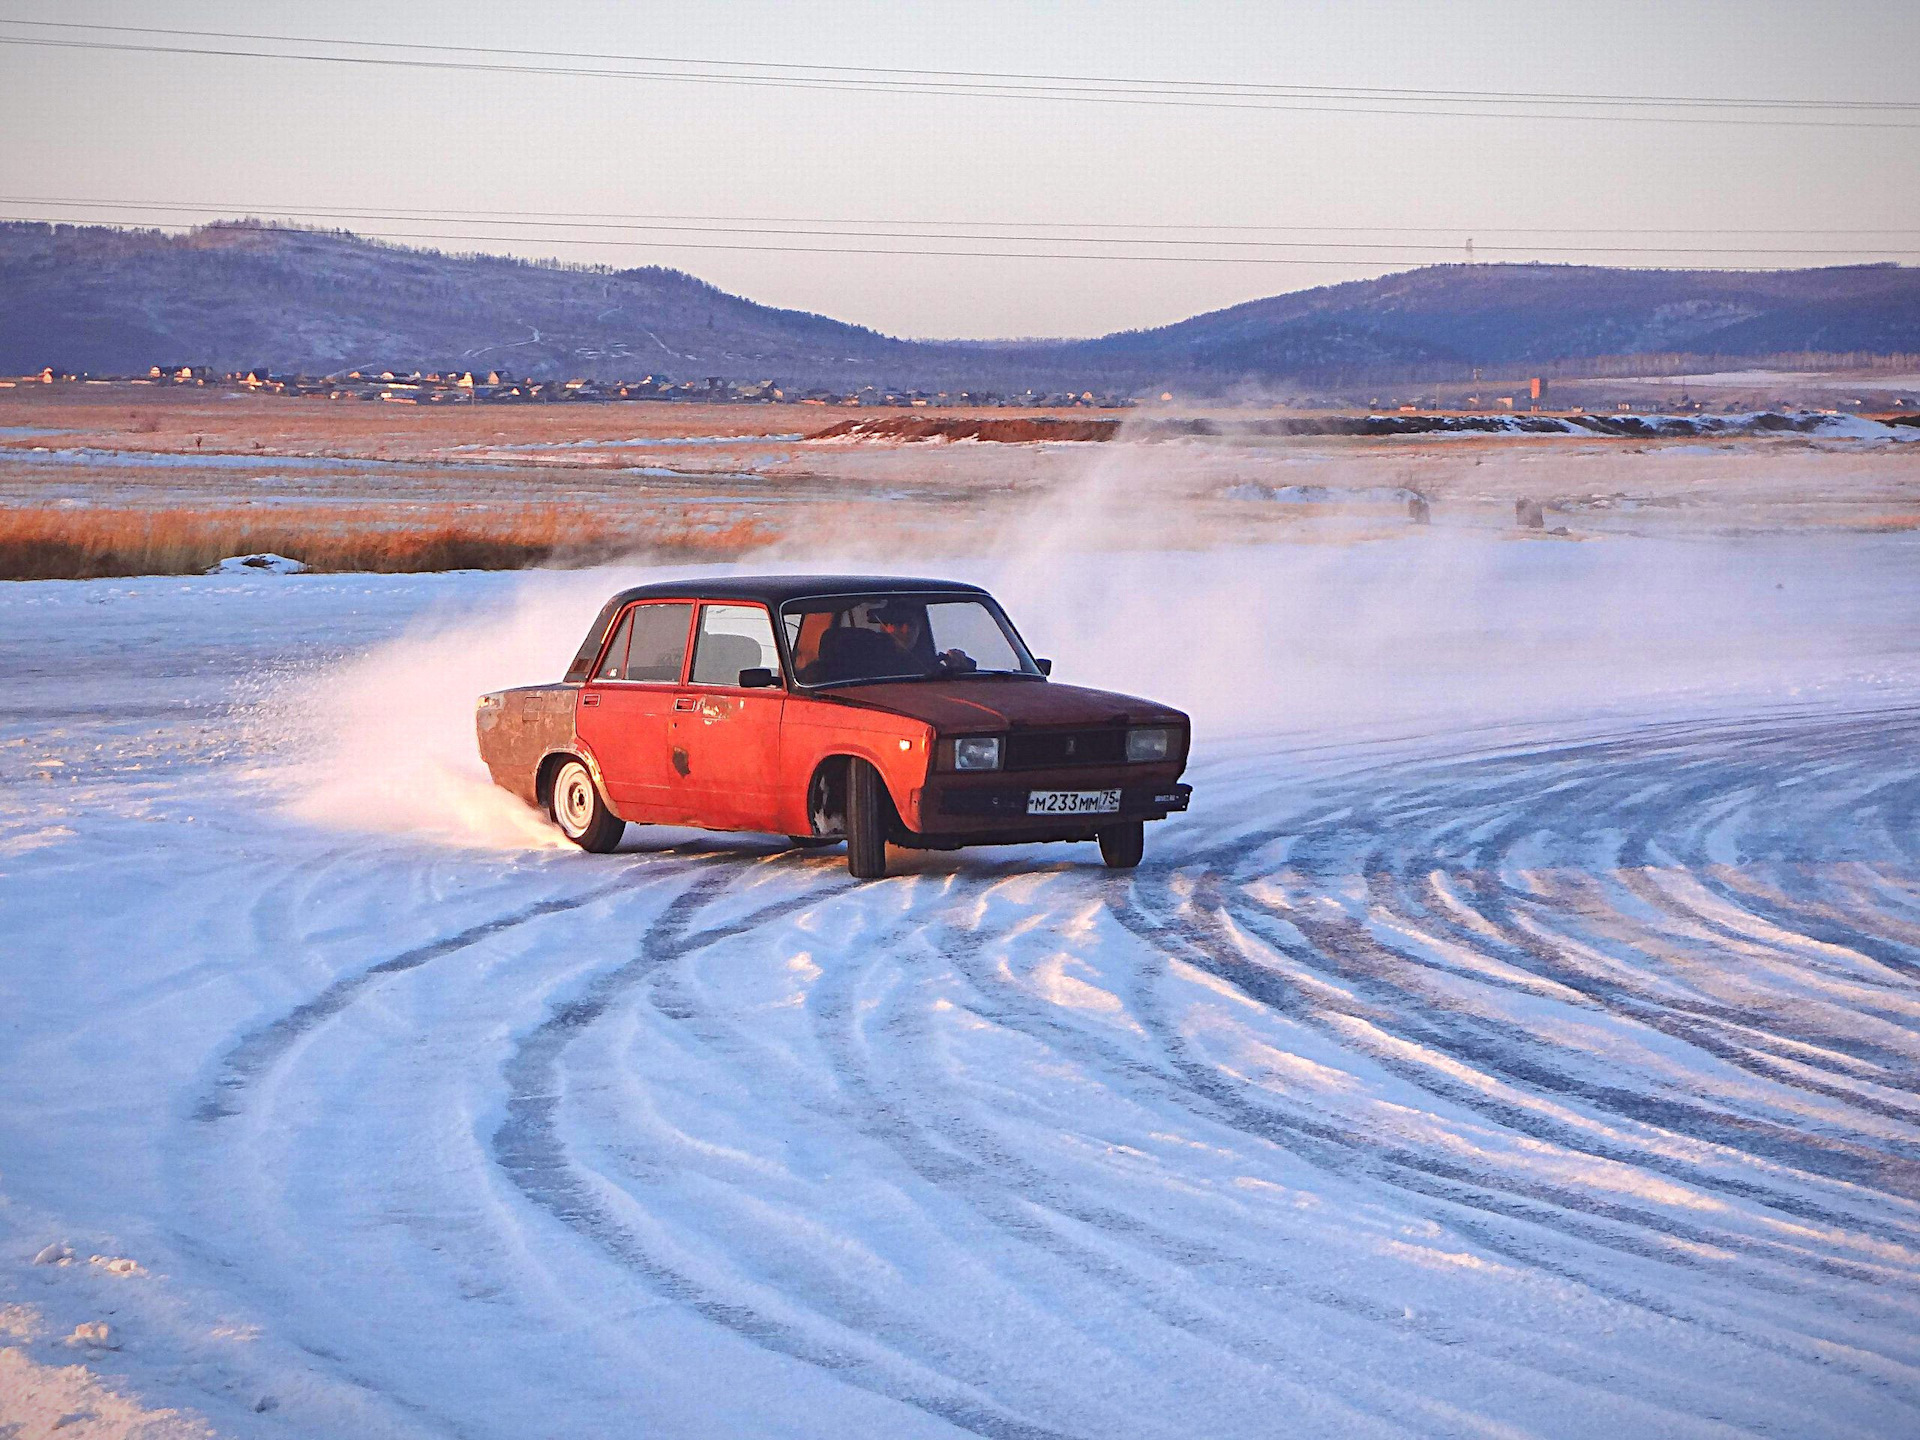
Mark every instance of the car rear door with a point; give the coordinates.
(725, 738)
(624, 708)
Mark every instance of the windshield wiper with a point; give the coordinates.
(915, 679)
(866, 680)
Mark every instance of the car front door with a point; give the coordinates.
(625, 707)
(724, 738)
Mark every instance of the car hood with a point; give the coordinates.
(974, 706)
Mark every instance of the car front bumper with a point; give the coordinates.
(1009, 802)
(993, 809)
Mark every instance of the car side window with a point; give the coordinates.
(613, 665)
(649, 646)
(659, 643)
(733, 638)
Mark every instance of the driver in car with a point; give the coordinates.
(905, 625)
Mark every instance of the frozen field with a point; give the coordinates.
(1521, 1035)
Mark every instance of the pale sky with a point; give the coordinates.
(232, 136)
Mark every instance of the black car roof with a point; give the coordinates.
(774, 590)
(777, 589)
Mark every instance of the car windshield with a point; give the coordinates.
(846, 639)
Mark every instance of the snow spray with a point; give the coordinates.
(1316, 633)
(384, 740)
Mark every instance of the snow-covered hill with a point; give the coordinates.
(239, 295)
(235, 296)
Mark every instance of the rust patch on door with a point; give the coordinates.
(680, 762)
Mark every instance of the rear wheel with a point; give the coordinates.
(583, 817)
(1122, 845)
(866, 822)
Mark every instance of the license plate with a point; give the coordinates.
(1073, 802)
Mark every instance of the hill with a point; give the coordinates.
(235, 295)
(1446, 317)
(239, 294)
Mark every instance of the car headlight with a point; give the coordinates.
(977, 753)
(1153, 744)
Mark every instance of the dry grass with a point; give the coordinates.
(85, 544)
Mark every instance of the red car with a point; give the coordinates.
(829, 707)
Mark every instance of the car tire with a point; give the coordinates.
(580, 812)
(1122, 845)
(867, 808)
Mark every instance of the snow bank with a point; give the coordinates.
(262, 564)
(1319, 494)
(923, 428)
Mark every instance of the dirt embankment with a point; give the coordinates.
(1652, 427)
(969, 427)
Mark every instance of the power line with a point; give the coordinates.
(976, 76)
(508, 216)
(1389, 247)
(676, 244)
(1008, 91)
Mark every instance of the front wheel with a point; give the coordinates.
(583, 817)
(1122, 845)
(866, 822)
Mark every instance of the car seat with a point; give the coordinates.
(720, 659)
(851, 652)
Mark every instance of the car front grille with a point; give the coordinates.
(1052, 749)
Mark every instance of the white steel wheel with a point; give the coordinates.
(583, 817)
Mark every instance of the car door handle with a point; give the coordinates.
(686, 702)
(590, 699)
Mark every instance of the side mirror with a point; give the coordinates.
(758, 678)
(1046, 666)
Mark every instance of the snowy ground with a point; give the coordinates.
(1518, 1037)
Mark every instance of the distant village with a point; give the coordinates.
(1536, 394)
(460, 387)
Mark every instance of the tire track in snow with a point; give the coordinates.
(1610, 1013)
(915, 1114)
(529, 1147)
(965, 1168)
(260, 1050)
(1382, 974)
